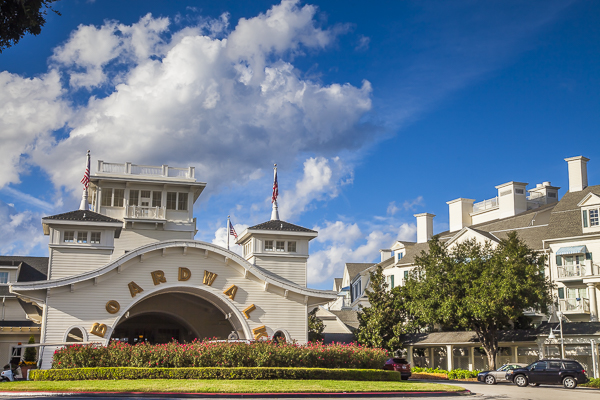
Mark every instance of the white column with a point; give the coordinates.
(515, 355)
(409, 355)
(471, 358)
(430, 349)
(449, 356)
(593, 302)
(596, 373)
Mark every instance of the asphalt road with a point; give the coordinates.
(480, 391)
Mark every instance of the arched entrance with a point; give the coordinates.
(173, 315)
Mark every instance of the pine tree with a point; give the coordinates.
(315, 326)
(30, 352)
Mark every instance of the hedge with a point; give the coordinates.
(594, 382)
(454, 374)
(220, 354)
(78, 374)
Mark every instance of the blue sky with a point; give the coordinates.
(374, 111)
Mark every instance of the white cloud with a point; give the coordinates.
(411, 205)
(392, 208)
(21, 232)
(220, 238)
(28, 199)
(363, 43)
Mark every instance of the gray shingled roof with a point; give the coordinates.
(348, 317)
(465, 337)
(82, 215)
(565, 220)
(280, 226)
(30, 268)
(356, 268)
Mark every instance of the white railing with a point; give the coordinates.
(574, 305)
(572, 271)
(145, 212)
(485, 205)
(148, 170)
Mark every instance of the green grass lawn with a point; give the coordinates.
(226, 386)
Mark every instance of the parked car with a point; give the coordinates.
(499, 375)
(568, 373)
(400, 365)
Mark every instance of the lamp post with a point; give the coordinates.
(552, 336)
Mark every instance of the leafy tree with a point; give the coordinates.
(381, 324)
(478, 287)
(18, 17)
(315, 326)
(30, 352)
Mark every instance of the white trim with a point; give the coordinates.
(85, 223)
(83, 331)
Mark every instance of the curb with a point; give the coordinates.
(236, 395)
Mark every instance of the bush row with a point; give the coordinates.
(454, 374)
(76, 374)
(595, 383)
(220, 354)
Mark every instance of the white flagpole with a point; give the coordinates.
(228, 230)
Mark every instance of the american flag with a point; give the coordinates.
(232, 230)
(86, 175)
(275, 188)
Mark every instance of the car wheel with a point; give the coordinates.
(521, 380)
(490, 380)
(569, 382)
(534, 384)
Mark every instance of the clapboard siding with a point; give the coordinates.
(12, 310)
(132, 239)
(86, 304)
(69, 262)
(291, 269)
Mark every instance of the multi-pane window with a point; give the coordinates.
(95, 238)
(182, 202)
(69, 237)
(81, 237)
(145, 198)
(156, 199)
(594, 218)
(171, 200)
(280, 246)
(134, 197)
(3, 277)
(119, 197)
(106, 199)
(112, 197)
(269, 245)
(291, 247)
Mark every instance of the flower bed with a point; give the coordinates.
(220, 354)
(77, 374)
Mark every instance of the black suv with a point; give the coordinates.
(568, 373)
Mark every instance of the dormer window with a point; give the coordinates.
(590, 213)
(280, 246)
(3, 277)
(269, 245)
(95, 238)
(82, 237)
(69, 237)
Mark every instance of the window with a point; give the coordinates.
(156, 199)
(106, 197)
(119, 197)
(75, 335)
(69, 237)
(81, 237)
(291, 247)
(95, 238)
(554, 365)
(134, 197)
(561, 293)
(182, 202)
(551, 194)
(269, 245)
(405, 275)
(171, 201)
(3, 277)
(391, 281)
(280, 246)
(538, 366)
(594, 218)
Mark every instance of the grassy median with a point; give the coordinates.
(226, 386)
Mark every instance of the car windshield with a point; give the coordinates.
(502, 368)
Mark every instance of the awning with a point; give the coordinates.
(572, 250)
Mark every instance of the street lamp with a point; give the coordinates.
(552, 336)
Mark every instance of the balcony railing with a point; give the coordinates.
(574, 305)
(145, 212)
(485, 205)
(581, 270)
(147, 170)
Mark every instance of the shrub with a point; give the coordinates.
(30, 352)
(462, 374)
(212, 373)
(220, 354)
(595, 383)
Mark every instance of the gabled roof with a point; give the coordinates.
(30, 268)
(565, 220)
(356, 268)
(276, 225)
(82, 215)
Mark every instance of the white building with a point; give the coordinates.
(129, 269)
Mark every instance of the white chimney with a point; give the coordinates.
(577, 173)
(512, 199)
(460, 210)
(424, 227)
(385, 254)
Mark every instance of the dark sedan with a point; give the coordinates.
(400, 365)
(568, 373)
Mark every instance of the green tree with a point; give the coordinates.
(18, 17)
(478, 287)
(382, 323)
(315, 326)
(30, 352)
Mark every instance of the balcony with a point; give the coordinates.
(162, 171)
(140, 212)
(485, 205)
(578, 271)
(574, 306)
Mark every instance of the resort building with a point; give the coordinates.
(125, 266)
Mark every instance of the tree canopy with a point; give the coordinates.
(315, 326)
(18, 17)
(478, 287)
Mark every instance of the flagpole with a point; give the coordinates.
(275, 211)
(84, 205)
(228, 230)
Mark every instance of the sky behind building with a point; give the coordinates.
(373, 111)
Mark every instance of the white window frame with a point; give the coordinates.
(7, 277)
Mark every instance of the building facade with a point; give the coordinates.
(128, 268)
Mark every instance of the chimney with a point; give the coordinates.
(385, 254)
(512, 199)
(577, 173)
(424, 227)
(460, 210)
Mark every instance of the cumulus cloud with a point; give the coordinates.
(21, 232)
(220, 238)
